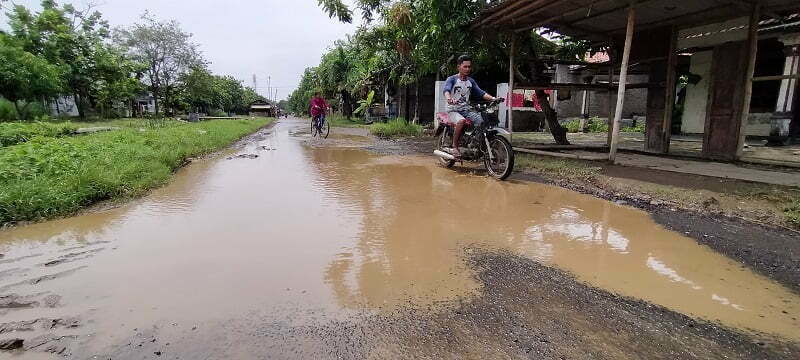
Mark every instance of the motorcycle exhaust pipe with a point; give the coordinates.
(444, 155)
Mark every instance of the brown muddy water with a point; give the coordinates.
(324, 227)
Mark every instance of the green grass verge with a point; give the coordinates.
(594, 125)
(558, 168)
(49, 177)
(341, 121)
(14, 133)
(787, 199)
(793, 213)
(395, 128)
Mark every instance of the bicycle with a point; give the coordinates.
(320, 127)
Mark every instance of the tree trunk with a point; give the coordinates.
(79, 103)
(19, 113)
(167, 103)
(559, 132)
(155, 101)
(347, 105)
(417, 101)
(550, 116)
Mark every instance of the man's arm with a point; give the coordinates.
(478, 92)
(448, 89)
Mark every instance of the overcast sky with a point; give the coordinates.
(277, 38)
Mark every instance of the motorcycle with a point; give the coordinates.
(487, 142)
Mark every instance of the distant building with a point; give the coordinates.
(262, 108)
(64, 106)
(145, 103)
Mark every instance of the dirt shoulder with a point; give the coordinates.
(744, 221)
(527, 310)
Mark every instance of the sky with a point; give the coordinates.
(268, 38)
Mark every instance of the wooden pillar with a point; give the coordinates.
(661, 99)
(672, 78)
(609, 104)
(752, 49)
(623, 78)
(584, 110)
(510, 100)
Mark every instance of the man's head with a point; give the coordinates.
(464, 65)
(316, 94)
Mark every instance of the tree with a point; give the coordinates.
(166, 50)
(74, 39)
(199, 91)
(114, 81)
(533, 49)
(24, 76)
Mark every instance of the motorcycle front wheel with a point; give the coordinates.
(501, 163)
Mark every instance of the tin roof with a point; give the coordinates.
(599, 19)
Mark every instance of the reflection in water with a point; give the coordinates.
(417, 218)
(322, 226)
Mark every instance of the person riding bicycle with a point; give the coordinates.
(318, 107)
(457, 91)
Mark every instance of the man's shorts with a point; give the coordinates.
(474, 116)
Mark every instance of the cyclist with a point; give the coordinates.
(318, 108)
(457, 90)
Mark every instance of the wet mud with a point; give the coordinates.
(325, 248)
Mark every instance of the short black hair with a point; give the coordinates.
(463, 58)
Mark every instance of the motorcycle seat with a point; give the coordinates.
(444, 119)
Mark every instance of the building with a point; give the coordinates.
(745, 50)
(262, 108)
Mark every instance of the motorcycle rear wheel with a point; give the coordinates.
(502, 163)
(446, 140)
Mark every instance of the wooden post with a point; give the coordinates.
(510, 100)
(584, 110)
(609, 104)
(623, 78)
(752, 44)
(669, 105)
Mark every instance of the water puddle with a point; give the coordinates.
(310, 226)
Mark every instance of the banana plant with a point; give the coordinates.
(365, 104)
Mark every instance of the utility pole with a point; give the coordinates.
(269, 87)
(255, 83)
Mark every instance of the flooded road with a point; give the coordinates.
(314, 229)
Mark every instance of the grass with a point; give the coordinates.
(341, 121)
(787, 199)
(51, 176)
(558, 168)
(792, 212)
(597, 125)
(780, 203)
(594, 125)
(395, 128)
(14, 133)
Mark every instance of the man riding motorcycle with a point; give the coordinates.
(457, 91)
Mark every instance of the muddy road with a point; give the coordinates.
(293, 247)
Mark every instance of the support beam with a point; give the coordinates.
(752, 49)
(609, 11)
(678, 18)
(529, 11)
(775, 77)
(623, 78)
(510, 99)
(609, 104)
(672, 78)
(498, 13)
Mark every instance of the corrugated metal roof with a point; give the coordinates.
(597, 19)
